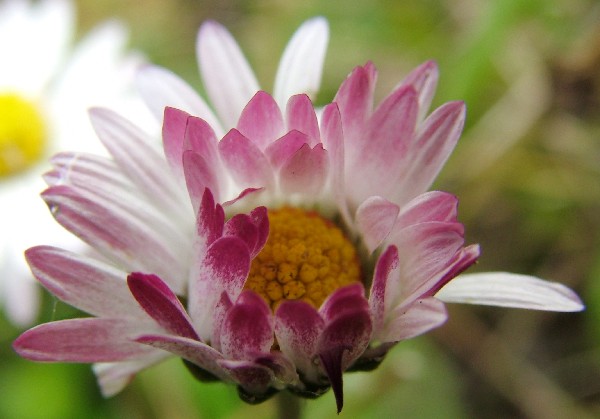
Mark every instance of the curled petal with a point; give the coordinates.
(375, 218)
(306, 171)
(510, 290)
(261, 120)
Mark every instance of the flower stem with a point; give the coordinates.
(288, 406)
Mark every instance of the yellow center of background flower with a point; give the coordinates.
(22, 134)
(305, 258)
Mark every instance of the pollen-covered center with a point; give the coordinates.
(305, 258)
(22, 134)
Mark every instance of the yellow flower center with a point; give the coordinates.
(305, 258)
(22, 134)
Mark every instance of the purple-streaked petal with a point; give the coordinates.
(226, 74)
(83, 282)
(209, 223)
(161, 88)
(248, 166)
(242, 227)
(351, 297)
(430, 206)
(375, 218)
(424, 80)
(510, 290)
(192, 350)
(83, 340)
(114, 376)
(248, 328)
(281, 150)
(385, 271)
(331, 360)
(305, 171)
(225, 267)
(297, 329)
(259, 216)
(218, 317)
(301, 64)
(133, 151)
(125, 230)
(413, 320)
(157, 299)
(261, 120)
(301, 116)
(435, 141)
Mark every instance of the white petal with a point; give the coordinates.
(301, 64)
(510, 290)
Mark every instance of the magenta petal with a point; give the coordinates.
(83, 282)
(248, 328)
(261, 120)
(384, 272)
(259, 216)
(173, 134)
(192, 350)
(375, 218)
(247, 164)
(282, 149)
(255, 379)
(157, 299)
(198, 176)
(413, 320)
(297, 328)
(210, 220)
(350, 297)
(306, 171)
(301, 116)
(242, 227)
(332, 364)
(82, 340)
(218, 316)
(430, 206)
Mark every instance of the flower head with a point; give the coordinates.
(276, 256)
(45, 88)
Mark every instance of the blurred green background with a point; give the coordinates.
(527, 172)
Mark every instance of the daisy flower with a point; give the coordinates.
(294, 247)
(45, 89)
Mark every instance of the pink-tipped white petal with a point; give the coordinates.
(247, 329)
(424, 80)
(161, 88)
(305, 171)
(157, 299)
(301, 116)
(436, 140)
(224, 267)
(283, 148)
(247, 164)
(82, 340)
(413, 320)
(114, 376)
(199, 176)
(83, 282)
(375, 218)
(192, 350)
(385, 271)
(430, 206)
(510, 290)
(173, 136)
(261, 120)
(226, 74)
(137, 157)
(301, 64)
